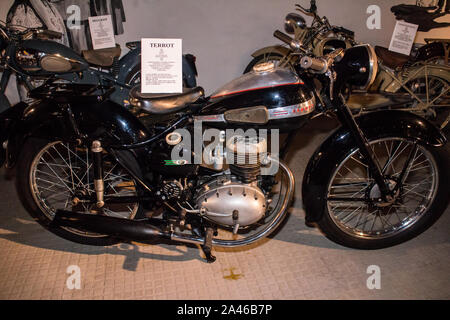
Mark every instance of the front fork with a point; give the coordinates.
(346, 118)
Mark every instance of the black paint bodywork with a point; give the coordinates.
(430, 50)
(49, 48)
(273, 97)
(379, 124)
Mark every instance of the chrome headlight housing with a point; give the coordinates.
(293, 21)
(360, 66)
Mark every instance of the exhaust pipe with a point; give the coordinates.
(124, 229)
(120, 228)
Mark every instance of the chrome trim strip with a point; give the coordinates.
(291, 111)
(211, 118)
(373, 66)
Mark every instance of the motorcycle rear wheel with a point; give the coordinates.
(433, 87)
(354, 215)
(51, 174)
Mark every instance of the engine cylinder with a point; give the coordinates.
(244, 155)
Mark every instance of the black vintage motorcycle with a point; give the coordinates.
(34, 58)
(89, 171)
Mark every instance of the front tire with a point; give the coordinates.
(354, 215)
(51, 174)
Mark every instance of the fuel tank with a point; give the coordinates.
(266, 97)
(43, 57)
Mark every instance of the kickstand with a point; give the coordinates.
(207, 246)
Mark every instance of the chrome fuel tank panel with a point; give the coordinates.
(258, 80)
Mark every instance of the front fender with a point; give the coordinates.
(334, 149)
(107, 121)
(272, 49)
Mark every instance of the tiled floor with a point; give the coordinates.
(298, 263)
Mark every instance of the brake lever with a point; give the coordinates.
(304, 10)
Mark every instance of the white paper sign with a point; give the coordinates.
(161, 66)
(102, 32)
(403, 37)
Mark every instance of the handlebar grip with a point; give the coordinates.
(283, 37)
(315, 64)
(52, 34)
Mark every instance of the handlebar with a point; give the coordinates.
(315, 64)
(283, 37)
(51, 34)
(312, 9)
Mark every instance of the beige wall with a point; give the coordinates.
(223, 33)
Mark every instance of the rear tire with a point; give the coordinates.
(40, 210)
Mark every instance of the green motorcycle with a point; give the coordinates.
(418, 83)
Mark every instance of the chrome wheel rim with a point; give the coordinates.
(364, 217)
(61, 172)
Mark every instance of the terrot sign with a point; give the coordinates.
(161, 66)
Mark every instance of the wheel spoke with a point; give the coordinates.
(354, 200)
(62, 170)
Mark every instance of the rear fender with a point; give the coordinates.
(334, 149)
(106, 121)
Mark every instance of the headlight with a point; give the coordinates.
(360, 66)
(293, 21)
(373, 69)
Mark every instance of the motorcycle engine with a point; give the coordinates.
(235, 199)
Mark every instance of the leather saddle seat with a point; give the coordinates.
(102, 57)
(159, 103)
(391, 59)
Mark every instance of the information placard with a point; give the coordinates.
(102, 32)
(161, 66)
(403, 37)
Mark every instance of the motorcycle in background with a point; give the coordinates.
(319, 39)
(34, 59)
(87, 168)
(417, 83)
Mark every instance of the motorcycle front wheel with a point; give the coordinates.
(55, 175)
(355, 214)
